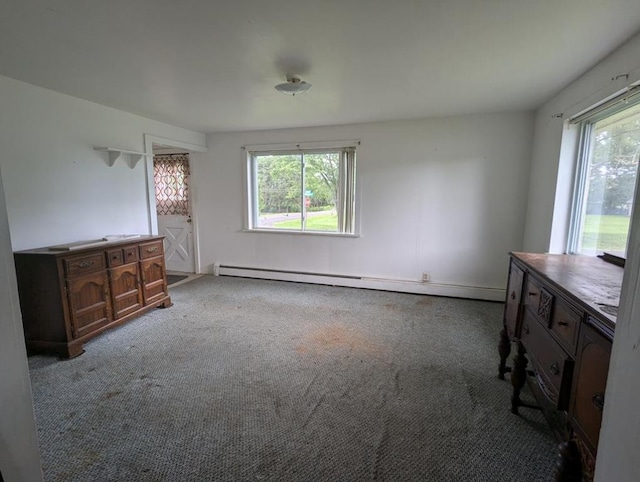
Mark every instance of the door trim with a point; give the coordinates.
(149, 141)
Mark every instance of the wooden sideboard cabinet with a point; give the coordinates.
(71, 293)
(560, 312)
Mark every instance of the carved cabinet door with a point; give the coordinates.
(154, 284)
(589, 385)
(89, 302)
(126, 294)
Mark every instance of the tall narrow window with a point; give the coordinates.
(606, 179)
(303, 190)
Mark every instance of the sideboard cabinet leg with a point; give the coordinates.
(568, 465)
(504, 349)
(518, 377)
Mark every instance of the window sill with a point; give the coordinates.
(302, 233)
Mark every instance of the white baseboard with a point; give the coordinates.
(383, 284)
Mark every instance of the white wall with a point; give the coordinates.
(445, 196)
(58, 188)
(553, 160)
(19, 452)
(620, 433)
(550, 192)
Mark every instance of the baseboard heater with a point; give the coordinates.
(384, 284)
(223, 269)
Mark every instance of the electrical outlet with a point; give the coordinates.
(426, 277)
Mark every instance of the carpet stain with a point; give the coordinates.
(86, 459)
(109, 395)
(427, 301)
(337, 336)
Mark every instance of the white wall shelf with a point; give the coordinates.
(115, 154)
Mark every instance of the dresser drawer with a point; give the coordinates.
(150, 250)
(130, 254)
(551, 364)
(115, 258)
(84, 264)
(538, 300)
(565, 323)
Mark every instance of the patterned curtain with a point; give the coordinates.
(171, 177)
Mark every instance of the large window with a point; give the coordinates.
(310, 190)
(607, 172)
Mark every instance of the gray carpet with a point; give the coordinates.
(174, 278)
(266, 380)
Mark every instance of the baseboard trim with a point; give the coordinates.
(383, 284)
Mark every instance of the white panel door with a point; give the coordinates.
(173, 206)
(178, 242)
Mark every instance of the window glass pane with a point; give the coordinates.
(305, 190)
(610, 182)
(322, 182)
(171, 179)
(279, 186)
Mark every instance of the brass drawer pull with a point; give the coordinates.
(598, 400)
(513, 295)
(563, 323)
(86, 264)
(533, 293)
(554, 368)
(526, 329)
(152, 249)
(543, 386)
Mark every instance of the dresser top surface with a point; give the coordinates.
(90, 245)
(590, 281)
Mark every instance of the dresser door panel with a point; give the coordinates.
(590, 383)
(89, 303)
(153, 279)
(125, 290)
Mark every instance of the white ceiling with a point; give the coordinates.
(210, 65)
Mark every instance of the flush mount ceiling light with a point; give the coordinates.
(293, 85)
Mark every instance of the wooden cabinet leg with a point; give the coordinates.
(518, 377)
(504, 349)
(568, 465)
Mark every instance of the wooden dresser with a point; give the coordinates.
(561, 311)
(71, 293)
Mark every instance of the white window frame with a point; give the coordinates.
(586, 122)
(348, 199)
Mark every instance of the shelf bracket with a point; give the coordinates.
(115, 154)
